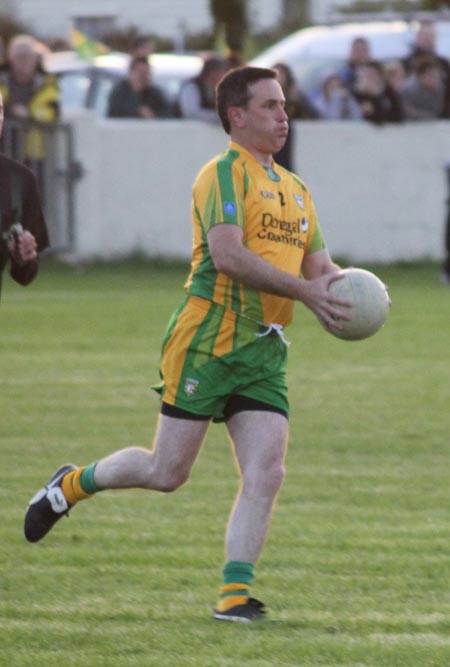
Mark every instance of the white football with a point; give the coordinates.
(370, 303)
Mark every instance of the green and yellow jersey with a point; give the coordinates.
(275, 211)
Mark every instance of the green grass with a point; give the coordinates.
(356, 570)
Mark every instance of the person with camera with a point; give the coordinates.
(23, 230)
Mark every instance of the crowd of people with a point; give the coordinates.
(416, 88)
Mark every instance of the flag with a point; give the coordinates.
(86, 47)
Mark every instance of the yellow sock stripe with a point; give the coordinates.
(226, 588)
(71, 487)
(232, 601)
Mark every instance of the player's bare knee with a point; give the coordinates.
(171, 481)
(264, 482)
(275, 476)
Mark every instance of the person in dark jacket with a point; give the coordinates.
(136, 96)
(379, 102)
(23, 231)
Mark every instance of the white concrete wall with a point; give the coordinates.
(380, 193)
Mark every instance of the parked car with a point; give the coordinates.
(312, 53)
(88, 84)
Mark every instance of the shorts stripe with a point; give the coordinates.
(174, 354)
(211, 354)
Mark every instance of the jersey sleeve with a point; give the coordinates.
(220, 195)
(315, 239)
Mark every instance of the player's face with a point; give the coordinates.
(265, 119)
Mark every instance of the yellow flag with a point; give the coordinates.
(86, 47)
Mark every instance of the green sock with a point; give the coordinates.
(87, 481)
(238, 572)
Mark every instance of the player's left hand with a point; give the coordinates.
(23, 248)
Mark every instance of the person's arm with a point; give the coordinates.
(24, 259)
(231, 257)
(45, 107)
(24, 245)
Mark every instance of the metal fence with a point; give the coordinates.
(56, 171)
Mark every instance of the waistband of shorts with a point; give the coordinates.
(206, 305)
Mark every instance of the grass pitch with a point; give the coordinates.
(356, 570)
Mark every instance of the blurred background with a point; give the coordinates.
(119, 143)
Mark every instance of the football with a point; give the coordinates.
(370, 303)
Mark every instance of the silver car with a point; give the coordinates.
(88, 85)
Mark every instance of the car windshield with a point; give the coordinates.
(74, 87)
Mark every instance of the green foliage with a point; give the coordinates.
(123, 39)
(434, 5)
(370, 7)
(356, 569)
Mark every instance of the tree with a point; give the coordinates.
(434, 5)
(232, 16)
(296, 13)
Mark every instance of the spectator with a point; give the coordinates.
(379, 102)
(142, 47)
(360, 55)
(395, 75)
(29, 94)
(197, 96)
(136, 96)
(23, 232)
(298, 107)
(424, 48)
(425, 92)
(445, 275)
(335, 101)
(298, 104)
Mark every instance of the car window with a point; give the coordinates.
(169, 85)
(102, 85)
(74, 88)
(312, 72)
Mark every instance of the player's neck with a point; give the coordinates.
(266, 159)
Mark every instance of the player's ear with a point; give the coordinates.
(236, 116)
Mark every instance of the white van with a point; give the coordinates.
(314, 52)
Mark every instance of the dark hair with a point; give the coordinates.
(212, 64)
(288, 73)
(232, 90)
(141, 60)
(139, 42)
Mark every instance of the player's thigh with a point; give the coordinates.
(177, 443)
(260, 442)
